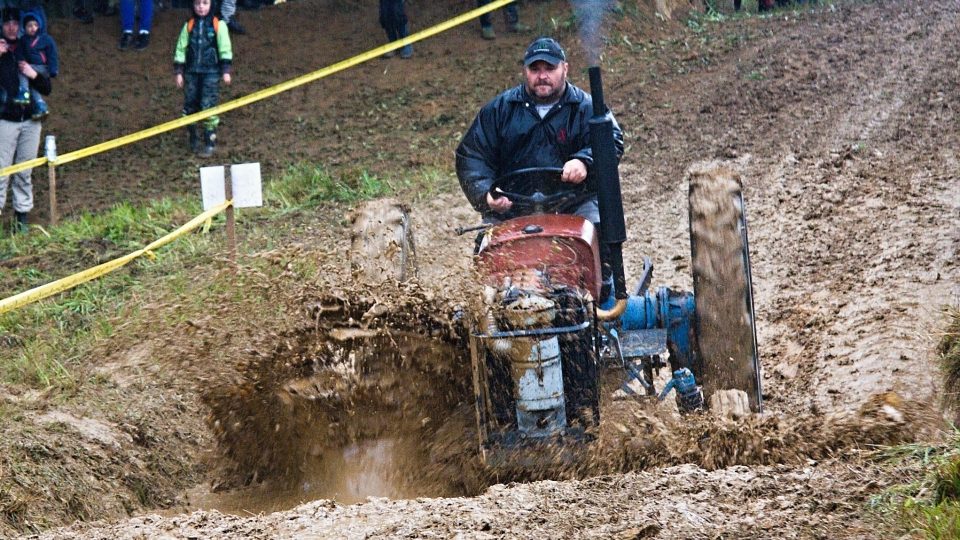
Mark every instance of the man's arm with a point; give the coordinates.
(476, 158)
(37, 81)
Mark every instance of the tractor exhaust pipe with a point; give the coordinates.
(613, 229)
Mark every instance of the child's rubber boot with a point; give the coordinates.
(209, 143)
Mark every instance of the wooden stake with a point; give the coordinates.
(231, 223)
(52, 173)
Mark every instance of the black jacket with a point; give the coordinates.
(10, 82)
(508, 135)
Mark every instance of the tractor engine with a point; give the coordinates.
(535, 357)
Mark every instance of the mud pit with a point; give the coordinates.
(839, 120)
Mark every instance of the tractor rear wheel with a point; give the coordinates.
(725, 341)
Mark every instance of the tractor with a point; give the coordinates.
(545, 328)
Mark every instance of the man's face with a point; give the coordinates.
(545, 82)
(31, 28)
(201, 7)
(10, 30)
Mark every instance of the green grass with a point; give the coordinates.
(927, 504)
(43, 345)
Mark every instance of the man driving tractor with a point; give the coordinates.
(543, 122)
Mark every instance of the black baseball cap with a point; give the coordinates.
(9, 14)
(546, 49)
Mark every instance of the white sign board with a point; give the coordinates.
(244, 178)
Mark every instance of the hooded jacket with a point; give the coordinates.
(203, 47)
(41, 48)
(508, 134)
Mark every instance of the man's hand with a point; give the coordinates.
(3, 46)
(226, 79)
(574, 172)
(500, 204)
(178, 80)
(27, 70)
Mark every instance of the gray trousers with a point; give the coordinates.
(19, 141)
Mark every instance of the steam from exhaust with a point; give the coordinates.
(590, 15)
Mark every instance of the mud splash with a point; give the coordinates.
(372, 398)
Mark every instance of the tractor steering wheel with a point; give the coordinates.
(536, 190)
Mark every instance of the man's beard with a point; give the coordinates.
(553, 96)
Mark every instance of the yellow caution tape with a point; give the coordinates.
(50, 289)
(260, 94)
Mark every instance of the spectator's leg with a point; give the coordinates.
(228, 10)
(146, 16)
(191, 104)
(9, 131)
(209, 97)
(737, 4)
(400, 18)
(486, 25)
(28, 143)
(127, 13)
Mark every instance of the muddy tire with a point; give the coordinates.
(381, 242)
(725, 343)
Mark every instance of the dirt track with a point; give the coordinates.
(841, 122)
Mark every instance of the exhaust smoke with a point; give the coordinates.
(590, 15)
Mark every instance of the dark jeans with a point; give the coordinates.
(509, 13)
(201, 91)
(393, 19)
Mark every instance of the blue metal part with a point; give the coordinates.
(689, 395)
(665, 309)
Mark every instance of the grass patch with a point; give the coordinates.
(44, 344)
(928, 502)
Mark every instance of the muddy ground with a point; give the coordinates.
(839, 118)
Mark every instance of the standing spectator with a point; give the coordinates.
(393, 19)
(40, 51)
(127, 16)
(19, 133)
(228, 10)
(510, 15)
(202, 57)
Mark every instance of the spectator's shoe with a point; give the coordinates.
(406, 51)
(209, 143)
(126, 39)
(22, 97)
(389, 54)
(40, 111)
(519, 27)
(488, 33)
(143, 39)
(22, 225)
(236, 28)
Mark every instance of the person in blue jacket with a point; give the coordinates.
(40, 51)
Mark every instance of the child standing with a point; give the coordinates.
(202, 57)
(40, 51)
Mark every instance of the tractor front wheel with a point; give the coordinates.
(725, 342)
